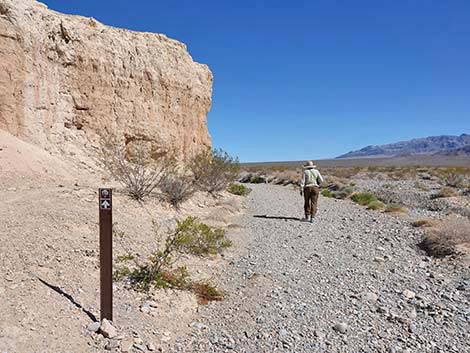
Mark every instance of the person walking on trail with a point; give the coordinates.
(310, 189)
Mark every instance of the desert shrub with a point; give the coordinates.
(159, 272)
(206, 292)
(363, 198)
(176, 187)
(445, 191)
(395, 208)
(454, 180)
(214, 170)
(257, 179)
(138, 169)
(238, 189)
(201, 239)
(375, 205)
(327, 193)
(344, 192)
(449, 237)
(424, 222)
(125, 258)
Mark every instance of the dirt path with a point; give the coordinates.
(351, 282)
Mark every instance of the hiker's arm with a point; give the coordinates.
(319, 179)
(302, 183)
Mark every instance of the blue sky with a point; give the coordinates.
(311, 79)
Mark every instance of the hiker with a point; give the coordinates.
(310, 189)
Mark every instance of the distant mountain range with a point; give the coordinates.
(434, 145)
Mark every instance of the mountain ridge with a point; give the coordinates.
(439, 145)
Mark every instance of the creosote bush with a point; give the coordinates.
(238, 189)
(344, 192)
(201, 239)
(214, 170)
(176, 187)
(363, 198)
(338, 192)
(138, 169)
(189, 236)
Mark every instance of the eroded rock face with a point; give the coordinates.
(64, 80)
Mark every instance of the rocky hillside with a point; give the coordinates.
(443, 145)
(64, 80)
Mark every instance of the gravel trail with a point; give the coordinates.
(353, 281)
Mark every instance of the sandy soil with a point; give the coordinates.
(50, 260)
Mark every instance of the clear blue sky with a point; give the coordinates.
(296, 80)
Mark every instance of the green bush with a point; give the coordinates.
(189, 236)
(376, 205)
(214, 170)
(201, 239)
(257, 180)
(238, 189)
(363, 198)
(327, 193)
(344, 192)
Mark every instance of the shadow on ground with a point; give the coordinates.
(70, 298)
(277, 217)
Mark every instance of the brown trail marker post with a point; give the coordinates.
(106, 253)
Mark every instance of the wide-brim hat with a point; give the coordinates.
(309, 165)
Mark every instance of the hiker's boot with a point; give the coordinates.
(311, 219)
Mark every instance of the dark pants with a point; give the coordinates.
(311, 198)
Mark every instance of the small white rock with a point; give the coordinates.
(107, 329)
(408, 294)
(341, 327)
(94, 326)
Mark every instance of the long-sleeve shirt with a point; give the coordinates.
(311, 177)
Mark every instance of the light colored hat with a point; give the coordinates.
(309, 165)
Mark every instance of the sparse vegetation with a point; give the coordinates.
(344, 192)
(338, 191)
(454, 180)
(445, 191)
(327, 193)
(257, 180)
(376, 205)
(238, 189)
(201, 239)
(363, 198)
(136, 167)
(176, 187)
(206, 292)
(214, 170)
(424, 222)
(394, 208)
(189, 236)
(449, 237)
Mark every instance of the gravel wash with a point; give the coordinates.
(353, 281)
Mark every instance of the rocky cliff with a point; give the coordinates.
(65, 80)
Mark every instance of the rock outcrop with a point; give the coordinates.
(66, 80)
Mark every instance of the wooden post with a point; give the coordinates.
(106, 253)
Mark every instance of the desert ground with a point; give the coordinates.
(358, 279)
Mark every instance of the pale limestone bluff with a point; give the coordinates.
(64, 80)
